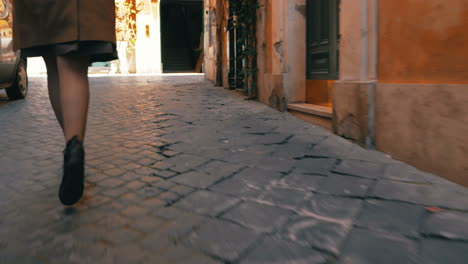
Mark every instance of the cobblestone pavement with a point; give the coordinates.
(181, 172)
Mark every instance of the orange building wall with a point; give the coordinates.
(423, 41)
(319, 92)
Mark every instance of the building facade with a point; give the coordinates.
(385, 74)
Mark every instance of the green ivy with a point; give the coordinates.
(243, 19)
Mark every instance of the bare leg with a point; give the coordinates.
(54, 88)
(74, 94)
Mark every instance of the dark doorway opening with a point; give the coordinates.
(181, 35)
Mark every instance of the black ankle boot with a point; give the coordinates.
(72, 186)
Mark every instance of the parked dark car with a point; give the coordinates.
(13, 74)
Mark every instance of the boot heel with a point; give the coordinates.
(72, 186)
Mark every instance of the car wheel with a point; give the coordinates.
(19, 89)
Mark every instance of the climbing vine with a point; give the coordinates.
(243, 19)
(126, 22)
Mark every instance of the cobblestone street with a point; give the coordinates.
(179, 171)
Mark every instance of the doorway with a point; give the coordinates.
(181, 35)
(322, 50)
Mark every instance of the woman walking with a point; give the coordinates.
(69, 35)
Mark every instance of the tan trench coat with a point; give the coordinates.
(45, 22)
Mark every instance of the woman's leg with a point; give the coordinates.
(54, 88)
(74, 94)
(74, 100)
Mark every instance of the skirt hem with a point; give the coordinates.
(97, 51)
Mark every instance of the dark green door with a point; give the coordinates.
(322, 39)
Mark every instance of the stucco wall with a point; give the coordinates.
(281, 35)
(425, 125)
(295, 50)
(350, 44)
(423, 41)
(270, 53)
(350, 111)
(210, 39)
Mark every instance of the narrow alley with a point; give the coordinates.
(179, 171)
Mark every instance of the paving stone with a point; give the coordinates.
(166, 174)
(222, 169)
(170, 153)
(129, 198)
(284, 197)
(185, 162)
(153, 203)
(111, 182)
(274, 250)
(404, 172)
(170, 213)
(293, 149)
(148, 191)
(260, 217)
(273, 138)
(146, 161)
(181, 190)
(146, 224)
(449, 196)
(134, 211)
(122, 236)
(197, 179)
(413, 193)
(367, 247)
(324, 222)
(360, 168)
(150, 179)
(257, 149)
(443, 251)
(114, 193)
(211, 238)
(162, 165)
(169, 197)
(318, 166)
(112, 171)
(134, 185)
(164, 185)
(370, 156)
(248, 183)
(185, 124)
(130, 166)
(170, 234)
(331, 208)
(113, 221)
(301, 181)
(208, 203)
(179, 254)
(333, 148)
(345, 186)
(127, 254)
(177, 229)
(393, 217)
(272, 163)
(447, 224)
(326, 235)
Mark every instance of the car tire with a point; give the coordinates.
(19, 89)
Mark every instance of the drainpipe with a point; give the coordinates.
(369, 65)
(364, 40)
